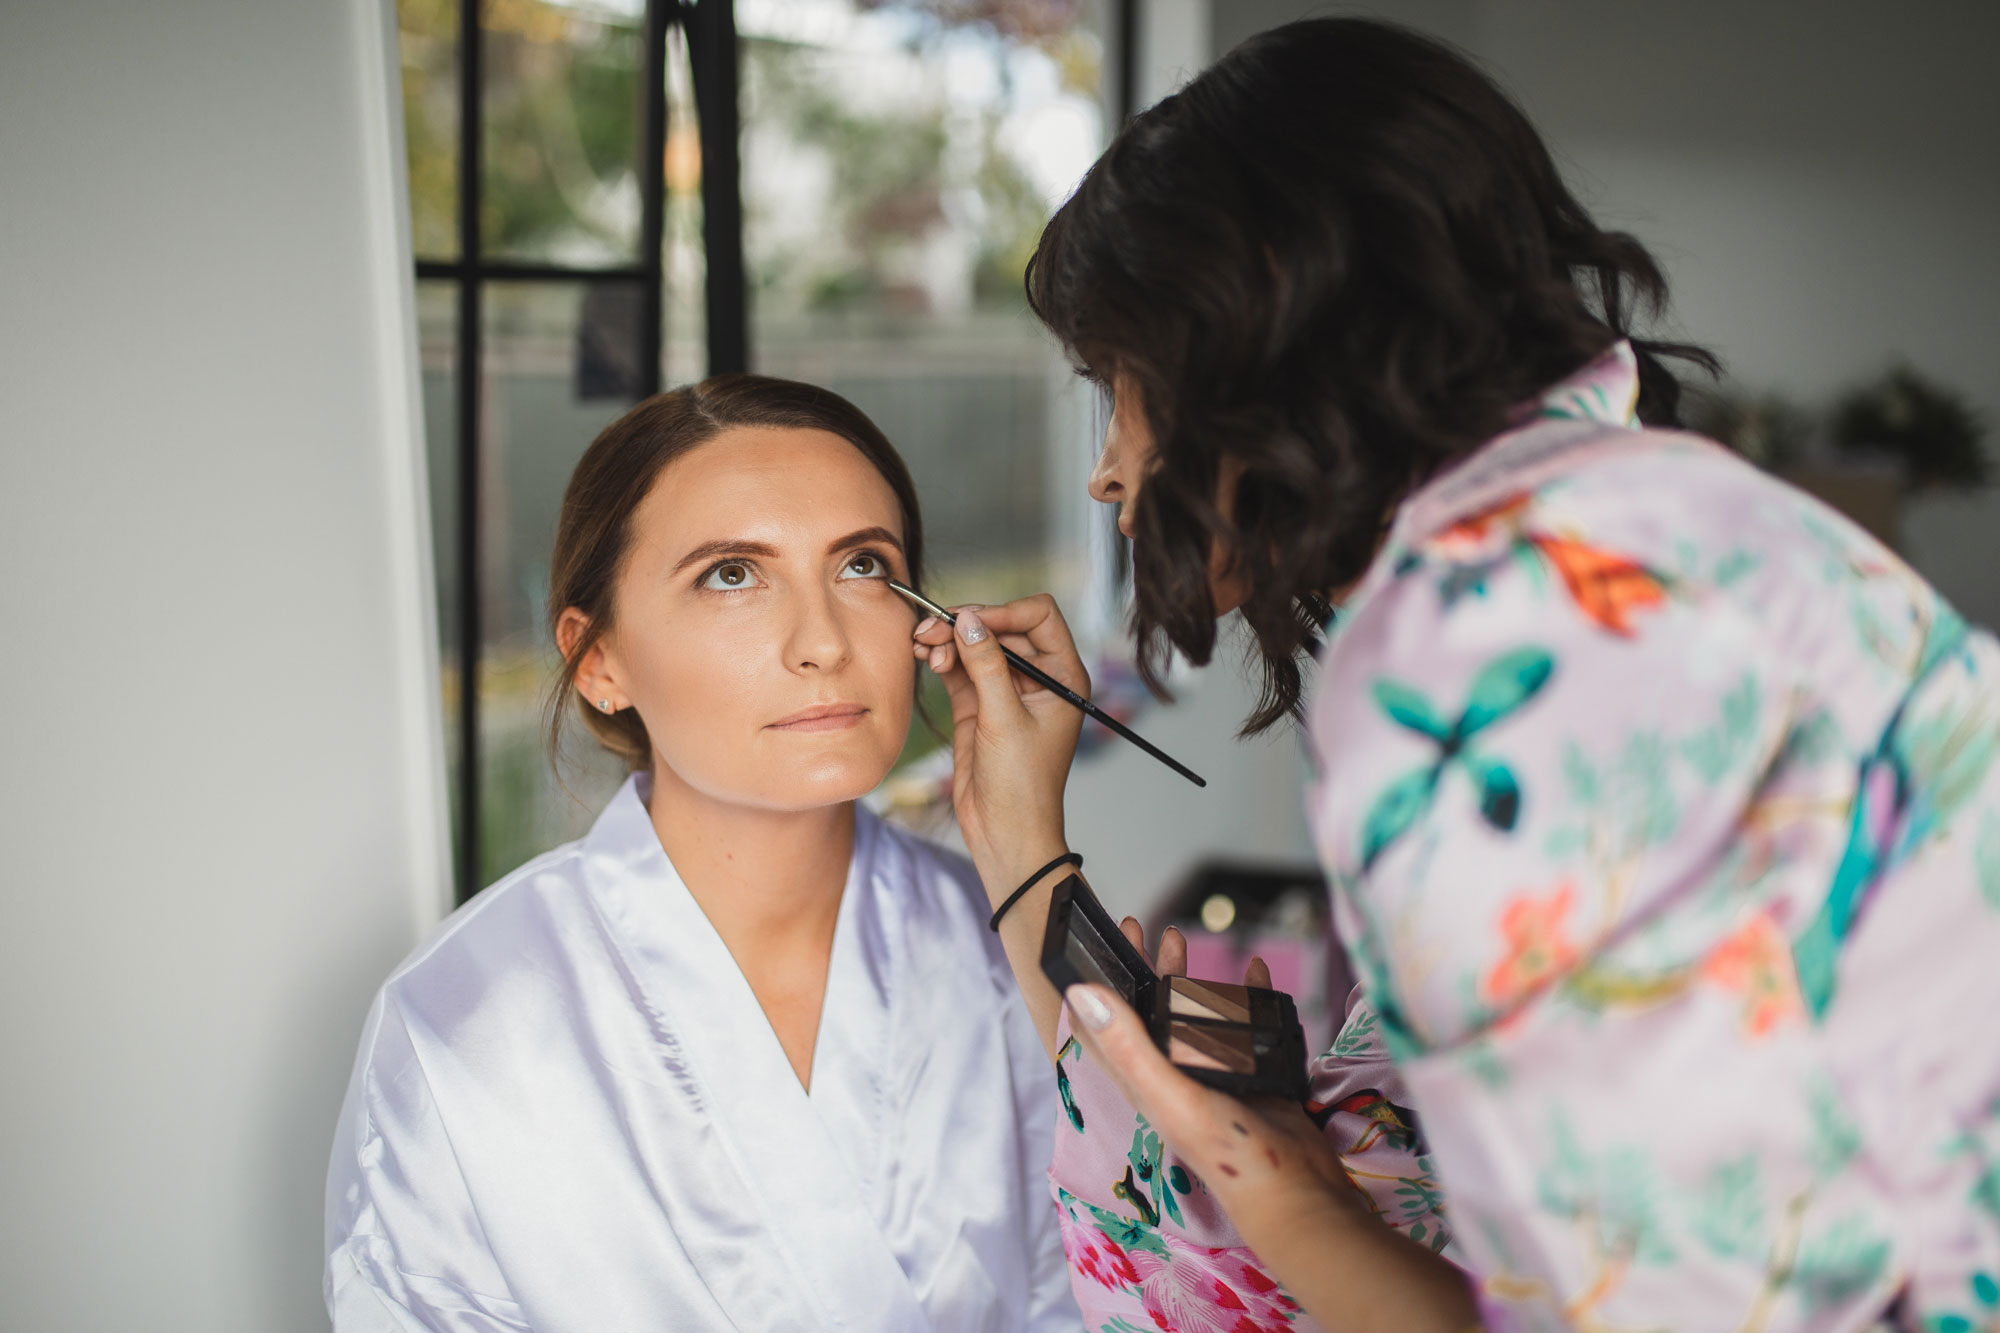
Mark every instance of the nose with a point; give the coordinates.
(1107, 486)
(817, 640)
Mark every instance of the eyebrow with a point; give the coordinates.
(739, 546)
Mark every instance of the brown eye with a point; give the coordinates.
(866, 565)
(728, 577)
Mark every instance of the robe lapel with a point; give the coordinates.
(806, 1174)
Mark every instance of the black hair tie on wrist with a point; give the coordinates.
(1066, 859)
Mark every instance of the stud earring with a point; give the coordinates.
(604, 704)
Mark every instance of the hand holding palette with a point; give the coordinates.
(1242, 1040)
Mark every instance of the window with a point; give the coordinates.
(599, 211)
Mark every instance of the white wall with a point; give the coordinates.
(1821, 179)
(220, 802)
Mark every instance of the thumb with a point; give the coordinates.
(993, 680)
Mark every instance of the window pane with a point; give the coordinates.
(560, 363)
(899, 161)
(561, 153)
(428, 39)
(900, 158)
(437, 359)
(684, 260)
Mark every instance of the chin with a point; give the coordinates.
(823, 780)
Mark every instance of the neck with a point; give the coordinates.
(769, 881)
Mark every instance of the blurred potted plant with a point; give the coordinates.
(1930, 431)
(1902, 434)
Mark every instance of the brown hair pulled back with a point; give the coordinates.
(618, 471)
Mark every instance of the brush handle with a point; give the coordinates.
(1059, 689)
(1090, 709)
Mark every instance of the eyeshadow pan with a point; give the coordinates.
(1208, 999)
(1211, 1048)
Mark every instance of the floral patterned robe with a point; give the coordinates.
(1662, 817)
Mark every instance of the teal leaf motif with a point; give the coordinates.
(1840, 1263)
(1396, 809)
(1713, 751)
(1411, 709)
(1499, 792)
(1357, 1035)
(1503, 686)
(1986, 860)
(1500, 688)
(1730, 1216)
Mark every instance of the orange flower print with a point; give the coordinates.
(1537, 945)
(1606, 586)
(1756, 962)
(1468, 537)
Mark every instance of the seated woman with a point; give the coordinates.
(743, 1057)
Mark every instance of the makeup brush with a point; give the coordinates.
(1060, 690)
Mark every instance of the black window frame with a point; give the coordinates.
(710, 30)
(709, 27)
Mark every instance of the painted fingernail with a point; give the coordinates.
(970, 627)
(938, 657)
(927, 622)
(1092, 1012)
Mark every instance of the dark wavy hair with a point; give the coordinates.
(1338, 259)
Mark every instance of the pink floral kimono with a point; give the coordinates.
(1661, 811)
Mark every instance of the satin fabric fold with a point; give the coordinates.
(569, 1112)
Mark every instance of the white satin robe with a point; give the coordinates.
(570, 1113)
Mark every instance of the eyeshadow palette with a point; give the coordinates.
(1244, 1040)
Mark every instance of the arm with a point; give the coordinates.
(1012, 742)
(1269, 1167)
(405, 1251)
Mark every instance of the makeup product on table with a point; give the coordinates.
(1243, 1040)
(1061, 690)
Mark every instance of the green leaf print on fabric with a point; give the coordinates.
(1147, 1186)
(1839, 1263)
(1070, 1108)
(1836, 1139)
(1986, 859)
(1357, 1036)
(1714, 751)
(1729, 1216)
(1500, 689)
(1985, 1295)
(1614, 1197)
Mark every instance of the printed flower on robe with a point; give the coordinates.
(1538, 948)
(1606, 586)
(1501, 688)
(1095, 1255)
(1756, 962)
(1178, 1286)
(1197, 1289)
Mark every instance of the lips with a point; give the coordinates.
(821, 717)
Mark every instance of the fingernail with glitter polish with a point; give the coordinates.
(971, 628)
(1092, 1012)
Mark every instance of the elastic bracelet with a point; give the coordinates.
(1066, 859)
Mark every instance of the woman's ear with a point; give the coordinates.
(596, 676)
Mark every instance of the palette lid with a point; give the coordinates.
(1083, 945)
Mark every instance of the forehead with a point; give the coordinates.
(768, 482)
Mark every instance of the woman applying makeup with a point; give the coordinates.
(743, 1057)
(1660, 803)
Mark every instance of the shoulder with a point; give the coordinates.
(459, 976)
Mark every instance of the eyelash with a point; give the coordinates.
(883, 570)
